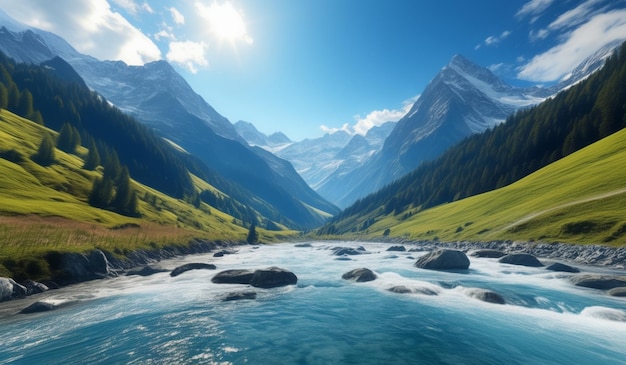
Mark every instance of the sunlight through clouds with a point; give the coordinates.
(188, 54)
(225, 22)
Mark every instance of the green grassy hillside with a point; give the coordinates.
(579, 199)
(45, 208)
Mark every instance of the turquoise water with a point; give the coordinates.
(324, 319)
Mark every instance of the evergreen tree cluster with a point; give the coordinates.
(227, 205)
(82, 115)
(114, 191)
(526, 142)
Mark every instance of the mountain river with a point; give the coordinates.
(323, 319)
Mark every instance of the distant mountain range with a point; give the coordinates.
(160, 98)
(461, 100)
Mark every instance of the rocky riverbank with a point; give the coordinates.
(595, 255)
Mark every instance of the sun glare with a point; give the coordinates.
(226, 23)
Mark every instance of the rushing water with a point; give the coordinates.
(323, 319)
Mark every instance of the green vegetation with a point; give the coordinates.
(45, 209)
(580, 199)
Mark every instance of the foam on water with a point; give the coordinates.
(324, 319)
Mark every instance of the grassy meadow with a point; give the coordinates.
(578, 199)
(45, 209)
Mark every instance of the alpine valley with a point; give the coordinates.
(485, 226)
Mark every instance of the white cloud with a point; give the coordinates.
(224, 21)
(534, 7)
(492, 40)
(569, 19)
(132, 7)
(188, 54)
(579, 44)
(373, 119)
(91, 27)
(177, 16)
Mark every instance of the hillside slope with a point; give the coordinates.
(580, 198)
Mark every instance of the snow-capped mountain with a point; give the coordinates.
(156, 95)
(461, 100)
(252, 135)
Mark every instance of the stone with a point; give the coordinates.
(443, 259)
(38, 307)
(146, 271)
(521, 259)
(19, 291)
(359, 275)
(486, 296)
(242, 295)
(400, 289)
(490, 254)
(233, 277)
(192, 266)
(6, 289)
(343, 251)
(273, 277)
(397, 248)
(303, 245)
(602, 282)
(620, 291)
(33, 287)
(221, 253)
(557, 266)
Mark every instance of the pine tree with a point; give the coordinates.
(101, 193)
(4, 97)
(25, 104)
(253, 236)
(125, 201)
(69, 138)
(45, 154)
(93, 157)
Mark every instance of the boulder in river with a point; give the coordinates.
(19, 290)
(273, 277)
(359, 275)
(192, 266)
(486, 296)
(487, 253)
(240, 295)
(38, 307)
(6, 289)
(346, 251)
(443, 259)
(400, 289)
(617, 292)
(521, 259)
(602, 282)
(146, 271)
(397, 248)
(221, 253)
(33, 287)
(557, 266)
(233, 277)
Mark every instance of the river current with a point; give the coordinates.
(323, 319)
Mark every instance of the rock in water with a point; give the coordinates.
(233, 277)
(193, 266)
(273, 277)
(617, 292)
(490, 254)
(443, 259)
(400, 289)
(557, 266)
(6, 289)
(486, 296)
(241, 295)
(397, 248)
(146, 271)
(38, 307)
(522, 259)
(602, 282)
(359, 275)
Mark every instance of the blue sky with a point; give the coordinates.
(309, 66)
